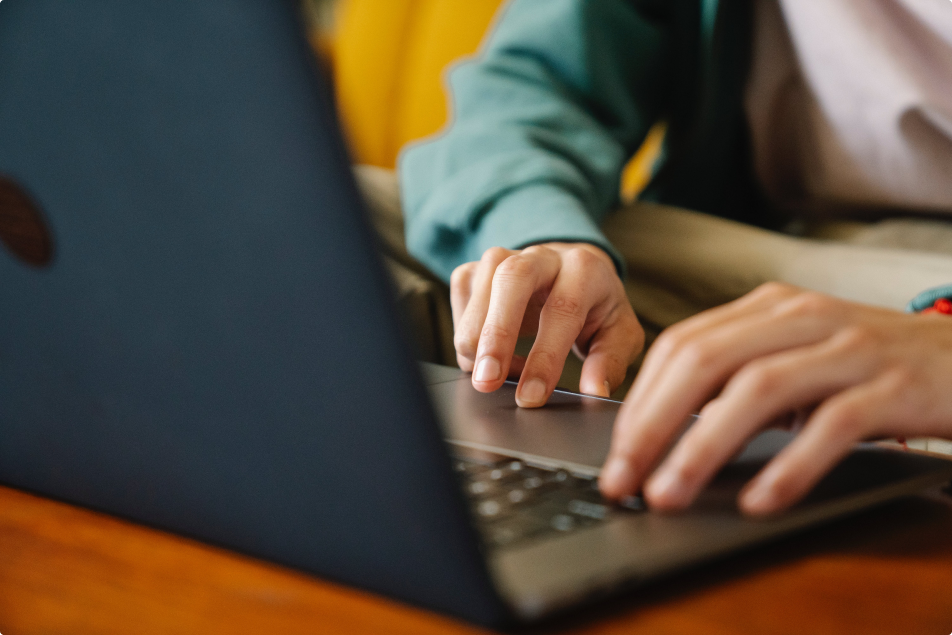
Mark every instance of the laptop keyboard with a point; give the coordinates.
(513, 501)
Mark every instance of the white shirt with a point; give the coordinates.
(850, 104)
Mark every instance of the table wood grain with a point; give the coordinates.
(64, 569)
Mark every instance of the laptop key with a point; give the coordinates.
(514, 502)
(532, 482)
(479, 488)
(490, 509)
(588, 509)
(514, 529)
(563, 522)
(517, 496)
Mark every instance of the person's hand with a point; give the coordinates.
(568, 294)
(865, 372)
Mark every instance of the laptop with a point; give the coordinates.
(196, 334)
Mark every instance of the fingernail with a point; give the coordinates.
(487, 369)
(608, 389)
(758, 500)
(667, 489)
(615, 473)
(532, 392)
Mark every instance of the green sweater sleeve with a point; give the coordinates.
(543, 122)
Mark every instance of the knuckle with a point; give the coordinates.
(774, 289)
(536, 249)
(759, 379)
(696, 354)
(858, 337)
(774, 292)
(461, 275)
(494, 255)
(565, 306)
(902, 382)
(809, 304)
(493, 331)
(545, 360)
(514, 267)
(669, 341)
(710, 408)
(845, 418)
(581, 258)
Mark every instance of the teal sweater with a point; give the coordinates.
(561, 96)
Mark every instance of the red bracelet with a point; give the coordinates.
(942, 305)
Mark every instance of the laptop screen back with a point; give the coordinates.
(210, 347)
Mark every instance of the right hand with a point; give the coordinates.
(567, 294)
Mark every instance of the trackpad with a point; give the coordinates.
(572, 429)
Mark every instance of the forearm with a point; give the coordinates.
(543, 123)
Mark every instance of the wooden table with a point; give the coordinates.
(68, 570)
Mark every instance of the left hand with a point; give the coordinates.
(568, 295)
(868, 372)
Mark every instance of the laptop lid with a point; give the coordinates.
(205, 343)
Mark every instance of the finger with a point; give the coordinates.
(646, 427)
(577, 287)
(461, 288)
(610, 352)
(763, 298)
(472, 317)
(757, 395)
(828, 436)
(516, 280)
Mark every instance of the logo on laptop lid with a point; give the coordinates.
(22, 229)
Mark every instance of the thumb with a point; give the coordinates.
(611, 351)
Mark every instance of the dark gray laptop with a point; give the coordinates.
(195, 333)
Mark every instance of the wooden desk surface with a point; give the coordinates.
(68, 570)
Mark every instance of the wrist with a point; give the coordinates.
(936, 300)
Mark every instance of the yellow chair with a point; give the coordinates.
(388, 59)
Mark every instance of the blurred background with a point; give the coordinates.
(387, 59)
